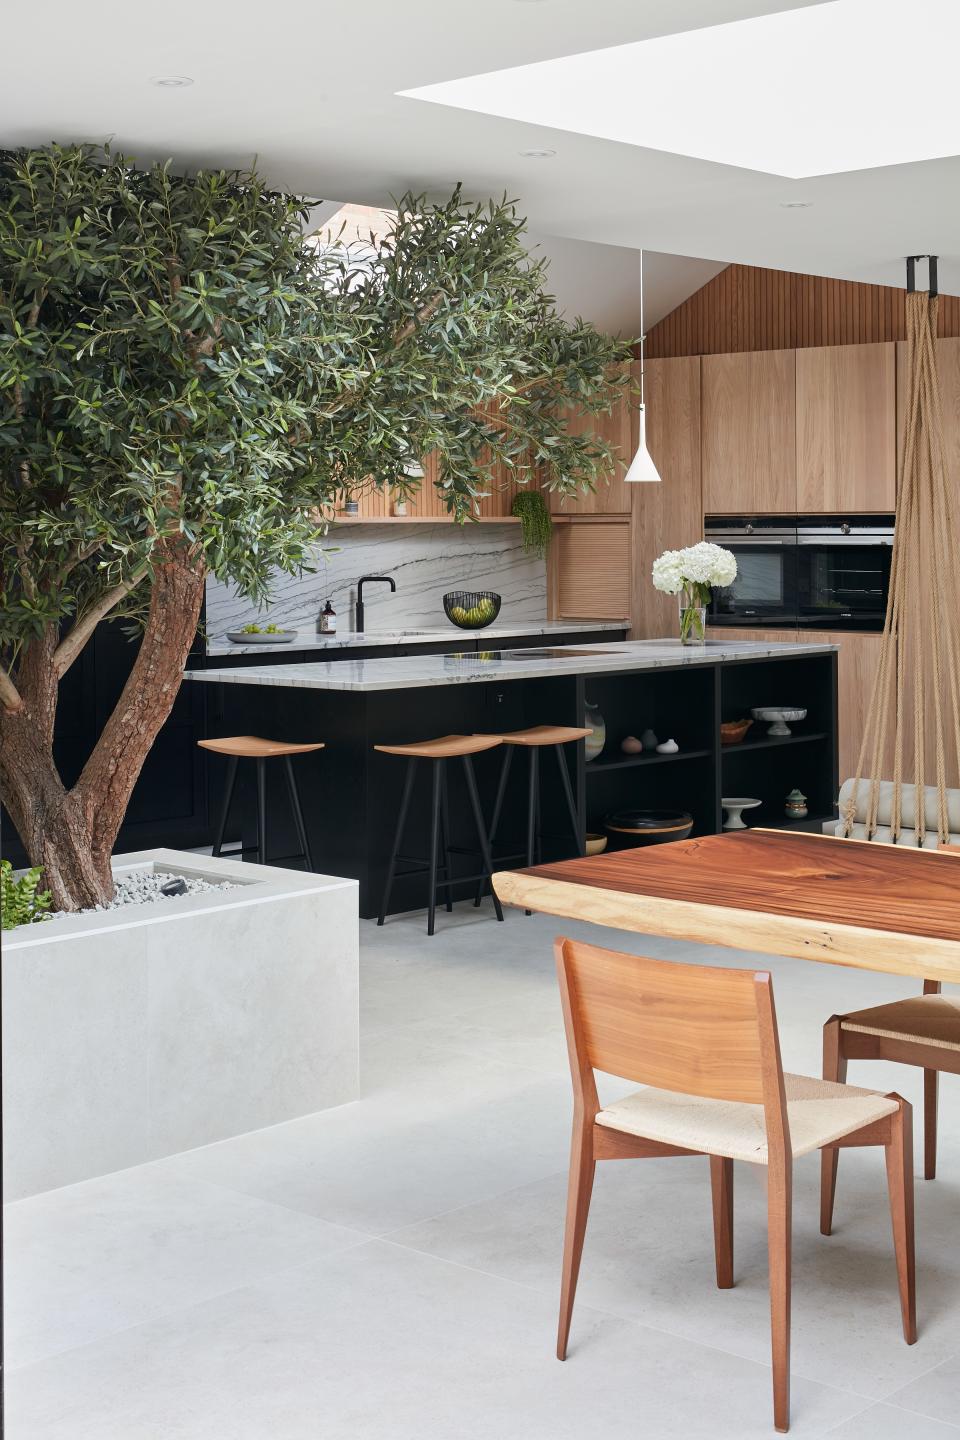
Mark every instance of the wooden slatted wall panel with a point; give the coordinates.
(748, 308)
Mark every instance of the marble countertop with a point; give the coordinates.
(413, 672)
(349, 639)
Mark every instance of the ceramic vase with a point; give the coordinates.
(597, 738)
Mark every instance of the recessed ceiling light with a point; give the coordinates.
(171, 82)
(703, 90)
(795, 204)
(537, 154)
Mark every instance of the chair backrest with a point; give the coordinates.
(698, 1029)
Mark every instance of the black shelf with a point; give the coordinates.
(809, 822)
(629, 762)
(769, 742)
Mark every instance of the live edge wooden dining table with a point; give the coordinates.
(863, 904)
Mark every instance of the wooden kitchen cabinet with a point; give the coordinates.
(857, 665)
(427, 504)
(948, 364)
(749, 433)
(589, 570)
(846, 428)
(667, 516)
(731, 632)
(612, 498)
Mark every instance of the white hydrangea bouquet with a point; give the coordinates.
(690, 574)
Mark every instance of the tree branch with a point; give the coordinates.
(425, 313)
(77, 555)
(75, 639)
(10, 697)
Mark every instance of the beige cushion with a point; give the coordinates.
(908, 804)
(819, 1111)
(931, 1018)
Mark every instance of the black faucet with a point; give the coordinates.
(369, 580)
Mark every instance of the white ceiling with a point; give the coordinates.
(705, 90)
(310, 91)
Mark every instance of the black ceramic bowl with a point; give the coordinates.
(628, 828)
(471, 609)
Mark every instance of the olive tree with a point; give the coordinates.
(186, 381)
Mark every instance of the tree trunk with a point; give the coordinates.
(71, 834)
(51, 827)
(106, 784)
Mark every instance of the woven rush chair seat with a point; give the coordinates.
(818, 1111)
(931, 1019)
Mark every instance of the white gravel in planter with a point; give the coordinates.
(142, 887)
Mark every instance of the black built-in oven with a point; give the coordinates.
(843, 571)
(765, 590)
(820, 572)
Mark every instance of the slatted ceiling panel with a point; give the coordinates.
(746, 307)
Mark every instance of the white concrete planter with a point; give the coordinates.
(133, 1034)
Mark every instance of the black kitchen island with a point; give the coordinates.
(351, 793)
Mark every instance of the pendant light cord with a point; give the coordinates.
(642, 334)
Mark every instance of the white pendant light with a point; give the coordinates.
(642, 469)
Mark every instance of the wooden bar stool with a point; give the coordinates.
(437, 753)
(252, 747)
(534, 739)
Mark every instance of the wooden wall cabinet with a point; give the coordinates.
(948, 364)
(857, 665)
(749, 433)
(667, 516)
(427, 505)
(589, 570)
(616, 429)
(846, 428)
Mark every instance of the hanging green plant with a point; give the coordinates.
(536, 525)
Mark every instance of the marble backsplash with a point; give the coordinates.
(425, 560)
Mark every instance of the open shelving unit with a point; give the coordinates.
(689, 703)
(650, 757)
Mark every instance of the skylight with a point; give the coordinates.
(848, 85)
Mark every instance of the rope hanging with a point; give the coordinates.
(920, 646)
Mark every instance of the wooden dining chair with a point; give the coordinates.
(923, 1031)
(704, 1044)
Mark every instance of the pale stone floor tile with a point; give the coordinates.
(237, 1291)
(886, 1422)
(936, 1394)
(95, 1258)
(384, 1344)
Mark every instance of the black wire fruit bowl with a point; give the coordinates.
(471, 609)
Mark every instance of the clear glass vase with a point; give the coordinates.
(693, 615)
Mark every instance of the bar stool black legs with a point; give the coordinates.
(408, 780)
(228, 790)
(297, 809)
(437, 865)
(251, 747)
(535, 740)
